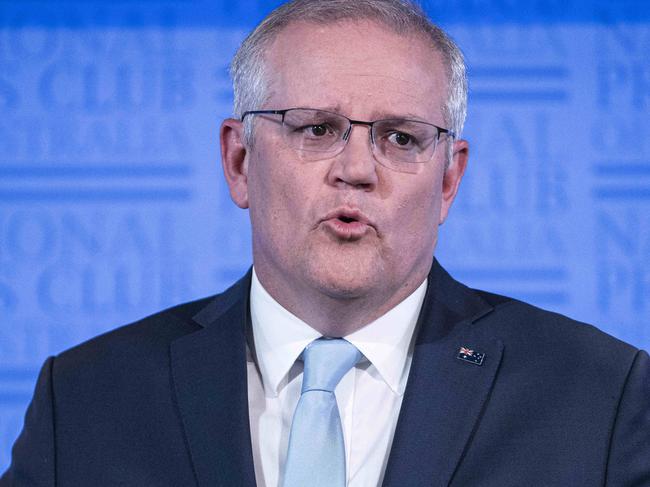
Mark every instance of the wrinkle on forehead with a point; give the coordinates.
(375, 75)
(344, 63)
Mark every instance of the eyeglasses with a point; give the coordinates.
(398, 144)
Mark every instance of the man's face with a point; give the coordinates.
(345, 226)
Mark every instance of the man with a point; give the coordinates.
(346, 152)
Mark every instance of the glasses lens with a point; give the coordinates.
(405, 141)
(314, 131)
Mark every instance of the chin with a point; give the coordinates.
(346, 278)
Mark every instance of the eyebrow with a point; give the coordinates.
(377, 115)
(408, 116)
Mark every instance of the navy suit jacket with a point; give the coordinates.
(163, 402)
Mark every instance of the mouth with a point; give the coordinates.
(346, 219)
(347, 224)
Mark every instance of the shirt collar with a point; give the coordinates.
(280, 338)
(386, 342)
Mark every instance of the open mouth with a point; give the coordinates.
(347, 219)
(348, 224)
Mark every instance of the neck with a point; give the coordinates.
(337, 314)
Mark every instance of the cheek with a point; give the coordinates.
(419, 213)
(276, 197)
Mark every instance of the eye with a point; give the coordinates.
(318, 130)
(401, 139)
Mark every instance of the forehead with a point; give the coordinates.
(360, 68)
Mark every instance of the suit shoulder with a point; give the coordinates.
(530, 324)
(146, 336)
(555, 352)
(137, 353)
(154, 333)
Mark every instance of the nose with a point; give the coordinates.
(355, 165)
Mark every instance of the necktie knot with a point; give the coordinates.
(327, 360)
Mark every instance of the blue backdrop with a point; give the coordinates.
(112, 203)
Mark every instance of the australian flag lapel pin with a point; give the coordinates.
(471, 356)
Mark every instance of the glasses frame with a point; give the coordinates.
(352, 122)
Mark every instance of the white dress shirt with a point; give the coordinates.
(369, 396)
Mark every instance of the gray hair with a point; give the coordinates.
(248, 69)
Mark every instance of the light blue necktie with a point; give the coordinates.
(316, 454)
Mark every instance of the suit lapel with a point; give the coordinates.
(442, 404)
(444, 396)
(210, 382)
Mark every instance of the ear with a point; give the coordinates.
(453, 175)
(234, 160)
